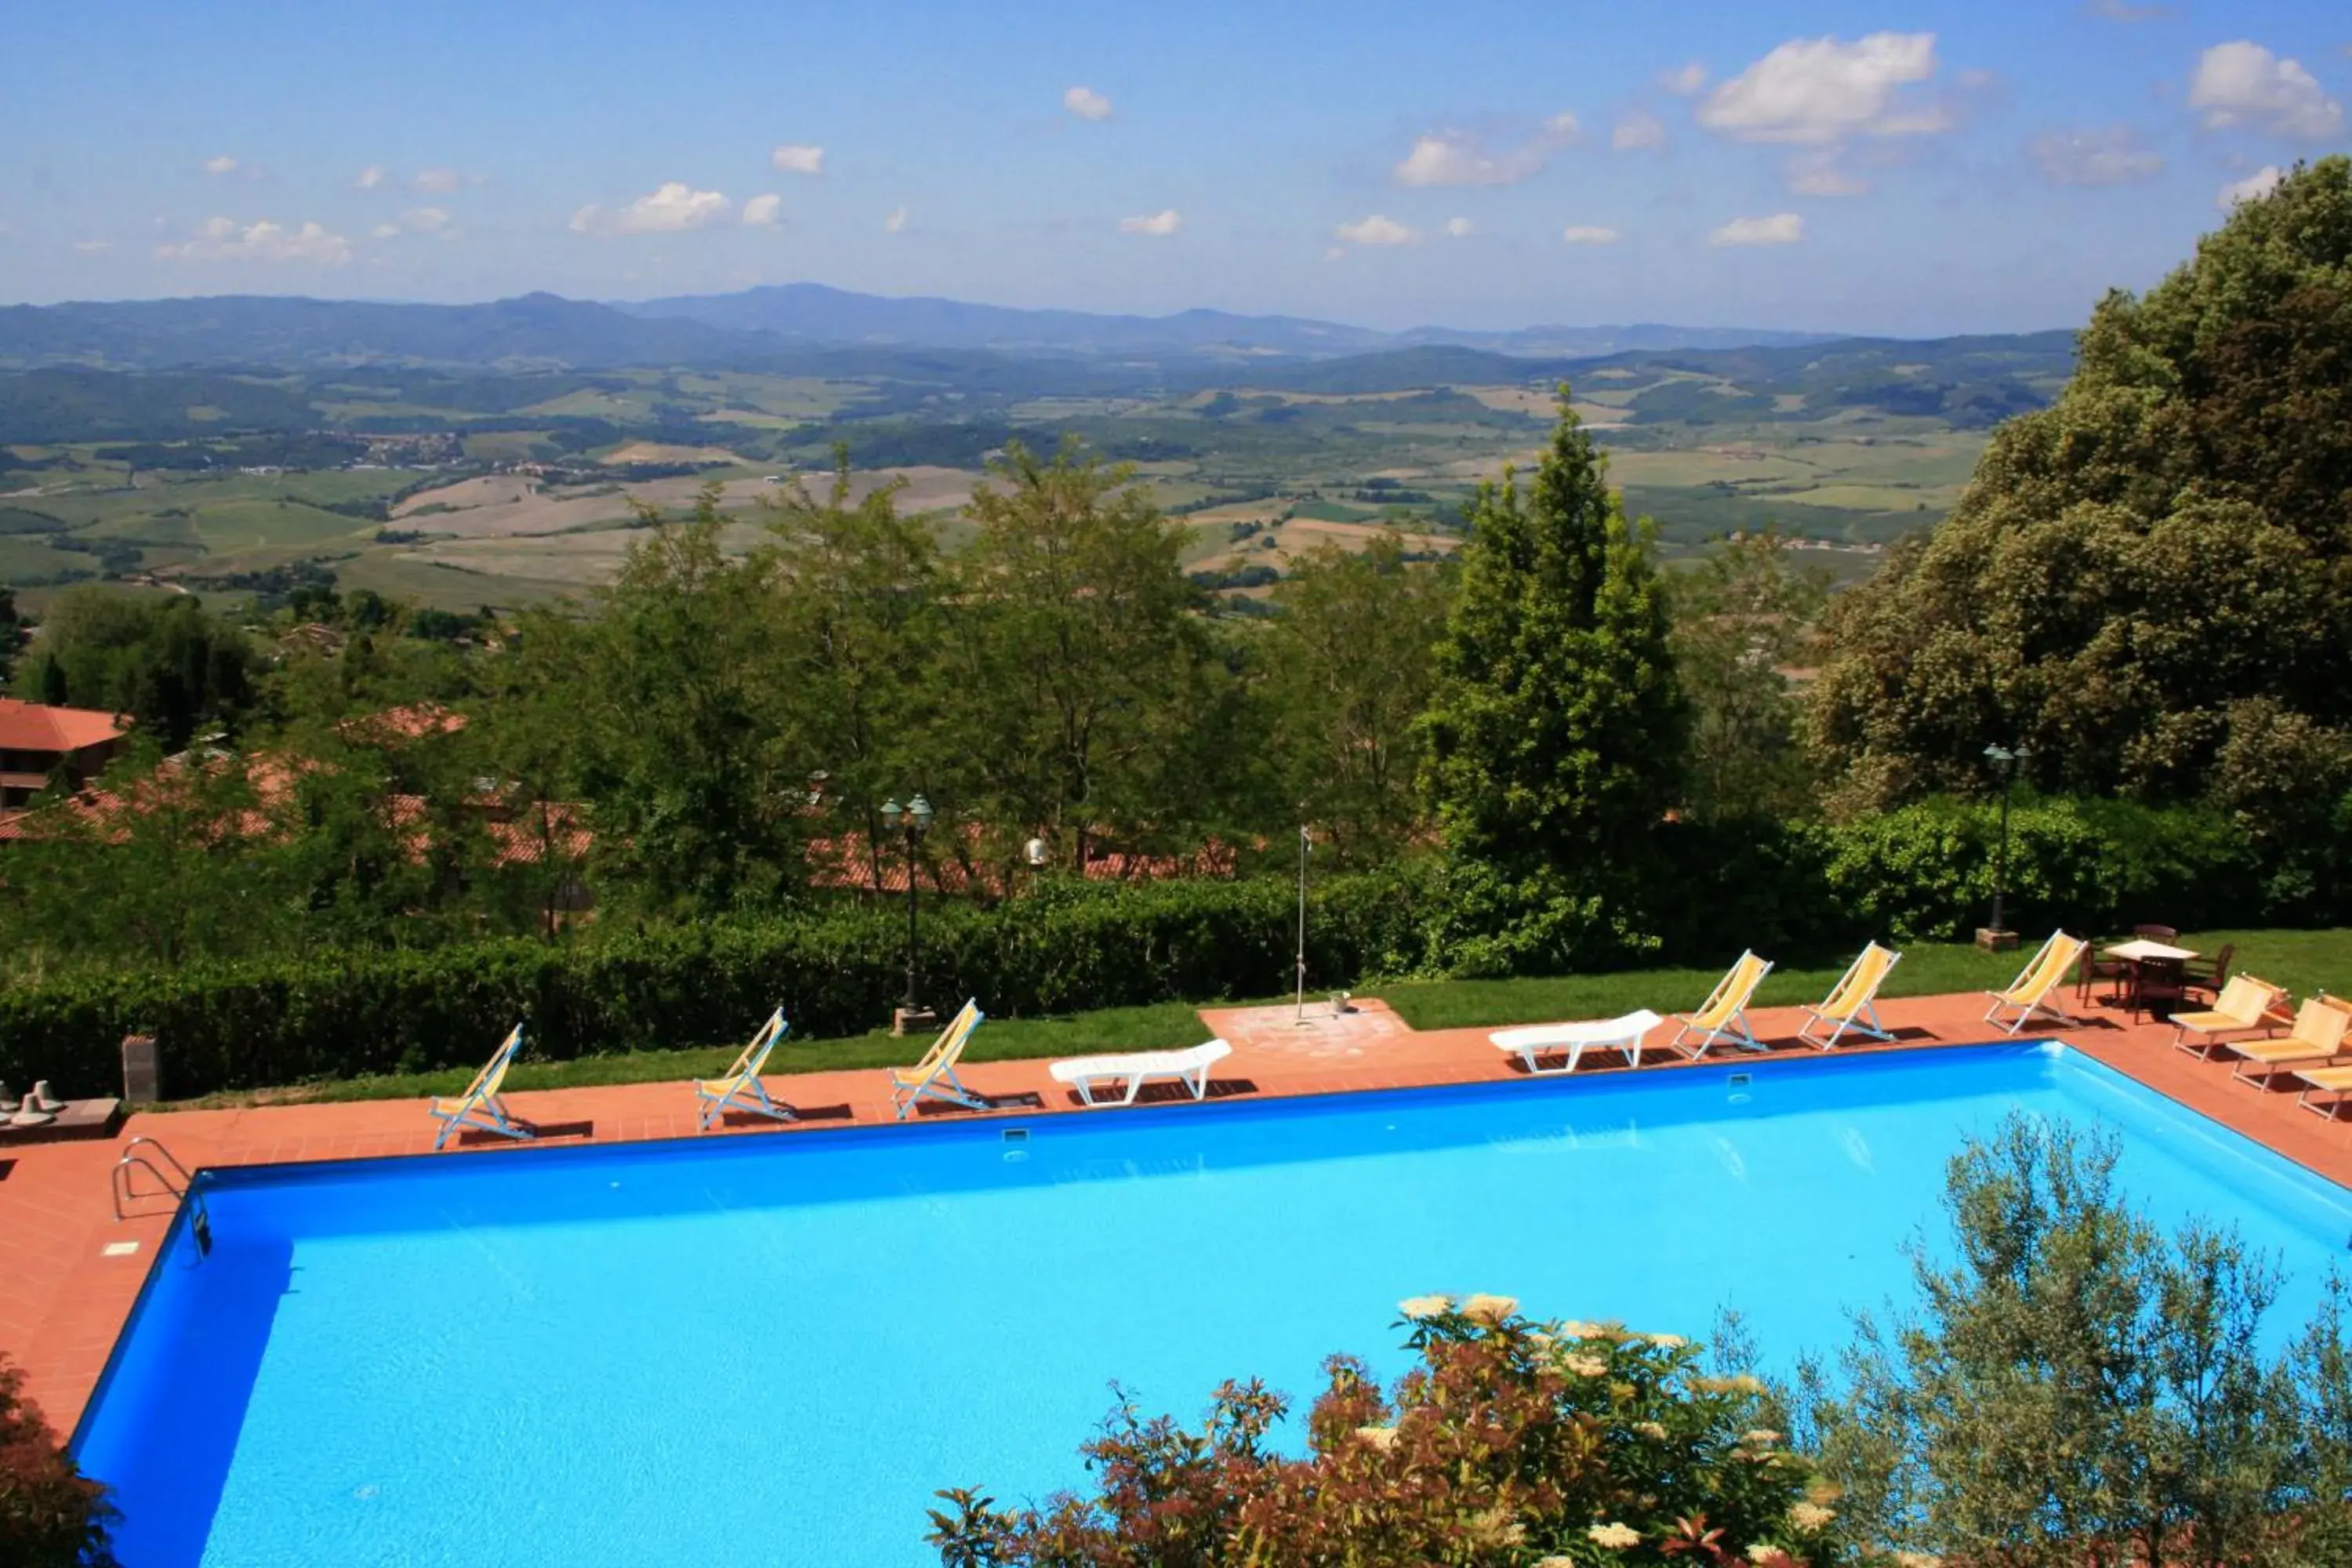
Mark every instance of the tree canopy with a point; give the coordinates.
(1557, 730)
(2146, 582)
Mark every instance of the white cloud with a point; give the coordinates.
(1587, 234)
(1637, 128)
(93, 246)
(1814, 91)
(2243, 84)
(2261, 183)
(1375, 230)
(224, 240)
(1683, 81)
(676, 207)
(224, 165)
(1819, 172)
(418, 220)
(1781, 229)
(797, 158)
(896, 222)
(1087, 103)
(1167, 222)
(1460, 158)
(1459, 228)
(2114, 155)
(368, 178)
(436, 181)
(763, 212)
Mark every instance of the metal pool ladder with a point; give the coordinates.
(123, 1185)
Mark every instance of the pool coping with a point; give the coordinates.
(65, 1301)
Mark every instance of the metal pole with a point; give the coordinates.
(912, 898)
(2000, 855)
(1300, 1016)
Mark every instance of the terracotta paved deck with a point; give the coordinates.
(63, 1300)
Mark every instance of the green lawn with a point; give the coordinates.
(1166, 1024)
(2302, 961)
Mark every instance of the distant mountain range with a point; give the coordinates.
(814, 314)
(755, 326)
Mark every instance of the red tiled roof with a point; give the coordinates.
(38, 727)
(414, 722)
(847, 862)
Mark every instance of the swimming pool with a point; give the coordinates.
(765, 1349)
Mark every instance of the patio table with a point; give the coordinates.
(2155, 971)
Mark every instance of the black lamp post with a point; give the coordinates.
(2007, 759)
(914, 821)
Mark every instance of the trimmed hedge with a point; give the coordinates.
(253, 1023)
(1796, 891)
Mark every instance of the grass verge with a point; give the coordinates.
(2302, 961)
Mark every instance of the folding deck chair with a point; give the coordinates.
(2043, 977)
(1854, 999)
(480, 1106)
(934, 1077)
(1724, 1015)
(740, 1085)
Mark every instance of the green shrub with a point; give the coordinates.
(1794, 890)
(1511, 1444)
(51, 1515)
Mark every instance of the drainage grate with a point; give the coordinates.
(1016, 1135)
(1741, 1079)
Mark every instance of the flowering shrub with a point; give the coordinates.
(50, 1517)
(1514, 1444)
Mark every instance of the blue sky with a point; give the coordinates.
(1914, 168)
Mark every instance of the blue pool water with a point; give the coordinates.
(774, 1349)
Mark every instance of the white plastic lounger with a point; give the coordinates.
(1189, 1067)
(1624, 1035)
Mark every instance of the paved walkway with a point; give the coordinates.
(67, 1282)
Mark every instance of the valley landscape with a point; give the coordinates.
(504, 455)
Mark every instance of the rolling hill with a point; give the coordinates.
(546, 332)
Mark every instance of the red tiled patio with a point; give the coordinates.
(64, 1296)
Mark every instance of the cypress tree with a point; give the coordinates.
(1557, 735)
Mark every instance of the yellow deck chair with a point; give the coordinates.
(740, 1085)
(480, 1106)
(1854, 999)
(2043, 976)
(2316, 1037)
(1724, 1015)
(934, 1077)
(2244, 1004)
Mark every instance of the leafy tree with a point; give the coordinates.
(11, 632)
(2147, 579)
(167, 663)
(2078, 1390)
(859, 630)
(1512, 1445)
(1349, 664)
(380, 826)
(1557, 732)
(1743, 617)
(674, 693)
(1082, 684)
(51, 1516)
(164, 861)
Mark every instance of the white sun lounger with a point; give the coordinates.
(1189, 1067)
(1572, 1041)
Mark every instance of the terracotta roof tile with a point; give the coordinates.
(38, 727)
